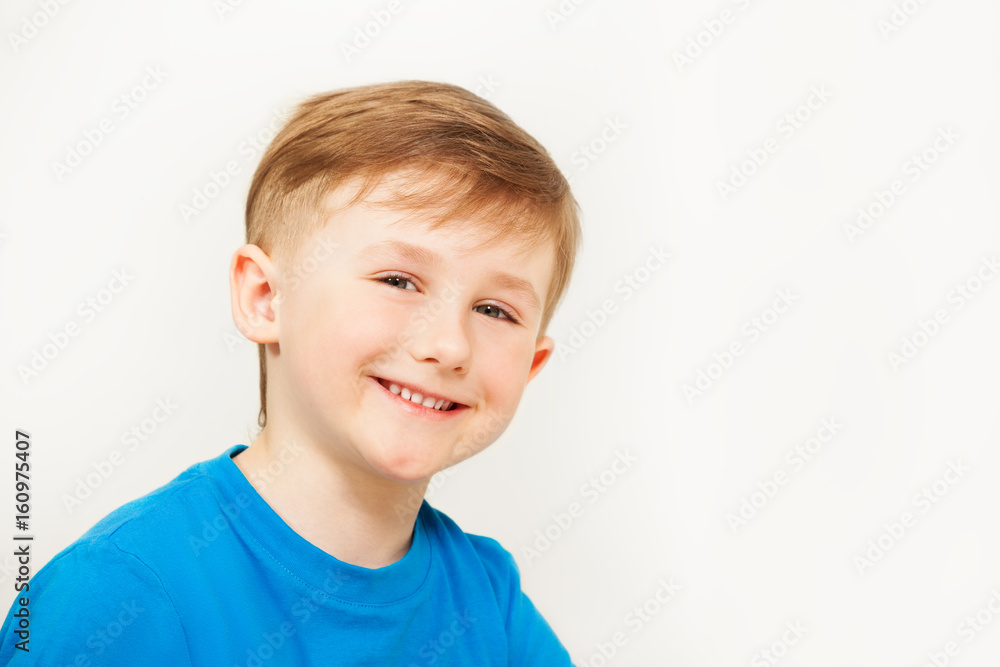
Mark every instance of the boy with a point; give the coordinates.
(407, 244)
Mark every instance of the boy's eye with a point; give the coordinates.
(495, 312)
(402, 282)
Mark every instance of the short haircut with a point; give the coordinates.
(472, 163)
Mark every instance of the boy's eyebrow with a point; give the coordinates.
(515, 284)
(395, 248)
(421, 255)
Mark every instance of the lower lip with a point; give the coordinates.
(415, 408)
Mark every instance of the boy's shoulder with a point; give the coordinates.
(158, 533)
(112, 577)
(496, 561)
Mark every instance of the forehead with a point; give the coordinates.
(377, 235)
(509, 231)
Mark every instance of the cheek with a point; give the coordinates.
(505, 365)
(349, 336)
(326, 340)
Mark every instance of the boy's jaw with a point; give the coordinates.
(384, 387)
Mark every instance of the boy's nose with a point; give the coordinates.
(444, 339)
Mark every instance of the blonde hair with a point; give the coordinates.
(473, 164)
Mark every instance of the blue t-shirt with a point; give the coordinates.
(203, 572)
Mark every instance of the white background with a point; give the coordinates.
(684, 128)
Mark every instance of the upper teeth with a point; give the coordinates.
(416, 397)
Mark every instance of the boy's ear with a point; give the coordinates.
(543, 351)
(252, 289)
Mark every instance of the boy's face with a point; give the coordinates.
(367, 304)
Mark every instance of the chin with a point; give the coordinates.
(405, 467)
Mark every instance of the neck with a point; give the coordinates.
(349, 515)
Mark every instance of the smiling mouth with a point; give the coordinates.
(426, 400)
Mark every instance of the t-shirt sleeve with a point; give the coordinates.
(531, 640)
(94, 604)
